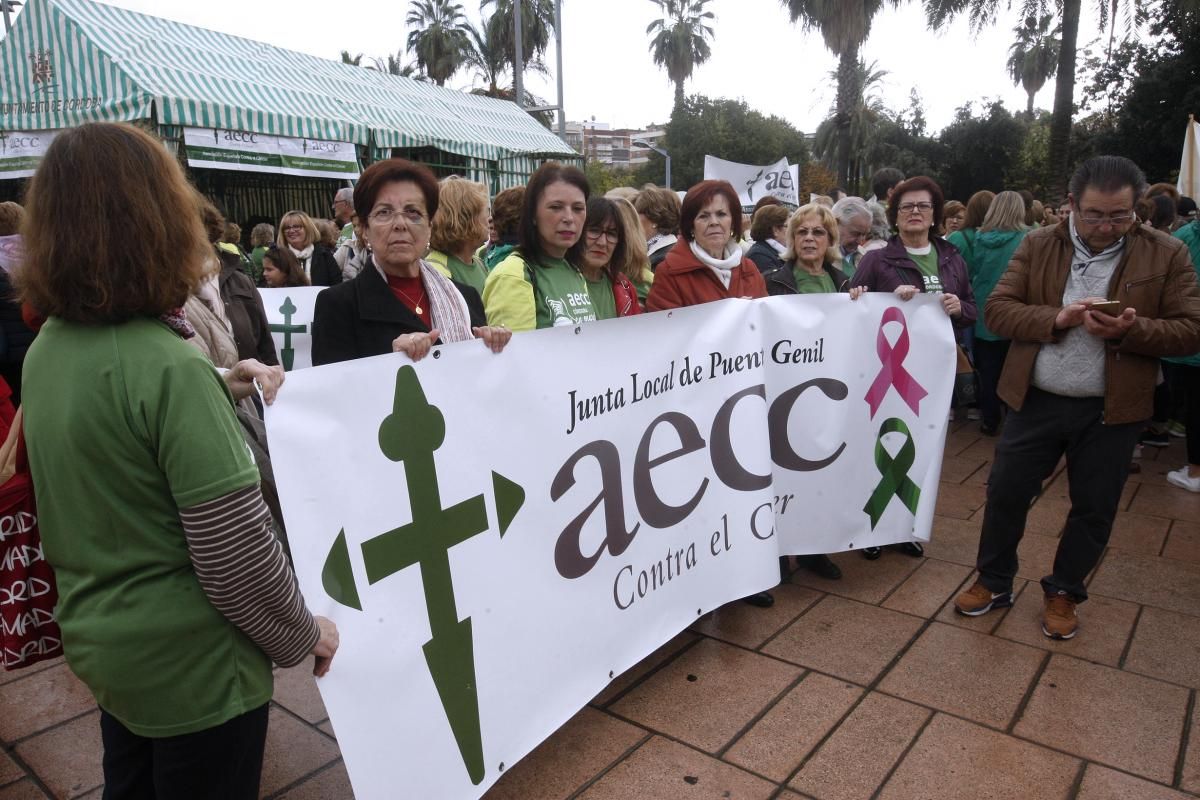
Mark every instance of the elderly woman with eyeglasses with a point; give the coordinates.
(299, 232)
(399, 302)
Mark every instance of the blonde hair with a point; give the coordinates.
(828, 222)
(456, 223)
(261, 235)
(637, 258)
(621, 193)
(312, 235)
(1007, 213)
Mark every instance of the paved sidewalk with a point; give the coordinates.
(868, 687)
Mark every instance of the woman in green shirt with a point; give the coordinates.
(539, 284)
(457, 230)
(606, 260)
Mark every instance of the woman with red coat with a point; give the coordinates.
(706, 264)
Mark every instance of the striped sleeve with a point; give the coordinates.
(241, 567)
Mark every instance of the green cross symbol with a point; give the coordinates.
(410, 435)
(287, 354)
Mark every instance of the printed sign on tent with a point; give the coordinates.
(498, 535)
(289, 317)
(752, 183)
(245, 151)
(22, 151)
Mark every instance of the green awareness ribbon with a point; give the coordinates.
(895, 480)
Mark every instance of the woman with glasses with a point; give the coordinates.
(298, 232)
(399, 302)
(918, 260)
(607, 261)
(539, 285)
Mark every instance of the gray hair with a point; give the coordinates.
(1107, 174)
(849, 208)
(881, 229)
(345, 193)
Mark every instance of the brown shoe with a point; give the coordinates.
(1059, 620)
(979, 600)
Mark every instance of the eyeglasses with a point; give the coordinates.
(1109, 219)
(816, 233)
(908, 208)
(387, 215)
(594, 234)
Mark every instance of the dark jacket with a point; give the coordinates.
(1154, 277)
(15, 337)
(764, 257)
(323, 270)
(682, 280)
(361, 317)
(244, 309)
(887, 268)
(783, 280)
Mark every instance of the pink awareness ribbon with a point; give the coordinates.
(893, 373)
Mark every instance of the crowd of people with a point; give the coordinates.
(1081, 320)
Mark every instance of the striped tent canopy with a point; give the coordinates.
(67, 62)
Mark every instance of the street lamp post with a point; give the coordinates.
(660, 151)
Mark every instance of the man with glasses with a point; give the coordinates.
(1079, 377)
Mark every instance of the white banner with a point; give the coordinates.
(244, 151)
(22, 151)
(753, 183)
(289, 316)
(497, 536)
(1189, 163)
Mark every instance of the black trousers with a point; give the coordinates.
(1033, 440)
(989, 362)
(221, 763)
(1186, 385)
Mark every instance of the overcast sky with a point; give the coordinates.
(608, 73)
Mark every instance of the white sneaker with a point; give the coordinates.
(1183, 480)
(973, 413)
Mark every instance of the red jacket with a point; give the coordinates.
(683, 280)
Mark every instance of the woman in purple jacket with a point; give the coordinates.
(915, 260)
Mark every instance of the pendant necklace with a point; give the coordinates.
(417, 304)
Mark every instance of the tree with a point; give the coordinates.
(394, 65)
(537, 21)
(486, 56)
(1033, 57)
(865, 116)
(724, 128)
(438, 37)
(354, 61)
(844, 25)
(679, 39)
(980, 151)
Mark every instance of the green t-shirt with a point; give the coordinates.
(927, 264)
(127, 424)
(601, 292)
(473, 274)
(561, 296)
(807, 283)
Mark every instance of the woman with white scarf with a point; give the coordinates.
(706, 264)
(399, 302)
(768, 229)
(299, 233)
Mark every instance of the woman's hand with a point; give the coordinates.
(415, 345)
(857, 292)
(905, 292)
(241, 379)
(326, 646)
(494, 336)
(952, 304)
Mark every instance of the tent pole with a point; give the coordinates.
(518, 83)
(7, 19)
(562, 113)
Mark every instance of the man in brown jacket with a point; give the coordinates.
(1079, 378)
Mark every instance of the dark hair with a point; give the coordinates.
(1107, 174)
(214, 221)
(141, 262)
(506, 211)
(390, 170)
(1159, 210)
(885, 179)
(1027, 200)
(660, 206)
(765, 200)
(977, 208)
(833, 193)
(599, 211)
(920, 183)
(1169, 189)
(288, 264)
(1187, 207)
(528, 241)
(766, 220)
(701, 195)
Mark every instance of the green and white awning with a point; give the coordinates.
(67, 62)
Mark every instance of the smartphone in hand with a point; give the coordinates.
(1110, 307)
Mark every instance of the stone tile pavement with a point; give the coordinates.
(869, 687)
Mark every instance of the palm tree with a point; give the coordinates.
(537, 22)
(354, 61)
(1033, 57)
(983, 12)
(678, 40)
(844, 25)
(866, 114)
(487, 55)
(438, 37)
(394, 65)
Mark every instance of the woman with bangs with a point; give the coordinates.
(606, 260)
(298, 232)
(458, 229)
